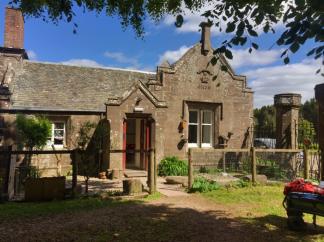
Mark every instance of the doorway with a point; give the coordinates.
(137, 142)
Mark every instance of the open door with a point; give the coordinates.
(136, 143)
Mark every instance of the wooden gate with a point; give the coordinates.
(4, 169)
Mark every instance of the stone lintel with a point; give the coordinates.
(287, 100)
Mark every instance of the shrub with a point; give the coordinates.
(201, 184)
(240, 184)
(172, 166)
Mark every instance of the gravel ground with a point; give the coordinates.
(178, 218)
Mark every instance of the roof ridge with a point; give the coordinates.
(93, 67)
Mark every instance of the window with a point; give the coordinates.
(57, 135)
(200, 128)
(206, 129)
(193, 128)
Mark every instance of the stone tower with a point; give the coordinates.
(287, 113)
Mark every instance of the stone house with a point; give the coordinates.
(190, 103)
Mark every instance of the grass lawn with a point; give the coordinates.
(16, 210)
(260, 206)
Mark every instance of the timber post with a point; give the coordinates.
(155, 171)
(151, 172)
(190, 170)
(253, 165)
(306, 163)
(74, 172)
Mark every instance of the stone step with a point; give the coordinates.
(135, 173)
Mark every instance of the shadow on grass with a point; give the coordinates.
(138, 221)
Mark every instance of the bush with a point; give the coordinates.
(201, 184)
(240, 184)
(172, 166)
(33, 131)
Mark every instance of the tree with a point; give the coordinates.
(89, 144)
(244, 19)
(309, 111)
(265, 122)
(33, 132)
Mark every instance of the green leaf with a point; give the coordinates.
(286, 60)
(311, 52)
(214, 60)
(266, 28)
(224, 68)
(294, 47)
(280, 41)
(255, 46)
(228, 54)
(259, 19)
(230, 27)
(252, 32)
(243, 40)
(179, 21)
(240, 29)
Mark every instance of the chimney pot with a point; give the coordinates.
(14, 29)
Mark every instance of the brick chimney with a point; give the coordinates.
(14, 29)
(205, 37)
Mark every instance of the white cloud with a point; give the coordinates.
(173, 55)
(192, 20)
(82, 62)
(122, 58)
(255, 58)
(293, 78)
(31, 54)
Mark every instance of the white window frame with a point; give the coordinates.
(200, 125)
(50, 141)
(206, 145)
(194, 145)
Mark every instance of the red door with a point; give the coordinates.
(124, 144)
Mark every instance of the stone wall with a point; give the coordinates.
(191, 82)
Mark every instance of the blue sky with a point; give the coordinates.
(100, 41)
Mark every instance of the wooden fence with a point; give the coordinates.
(11, 183)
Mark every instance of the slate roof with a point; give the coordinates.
(58, 87)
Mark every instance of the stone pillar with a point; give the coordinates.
(319, 96)
(287, 113)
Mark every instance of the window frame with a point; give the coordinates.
(50, 141)
(194, 145)
(200, 124)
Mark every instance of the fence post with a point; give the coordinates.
(74, 172)
(253, 164)
(190, 170)
(224, 162)
(151, 172)
(306, 163)
(155, 171)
